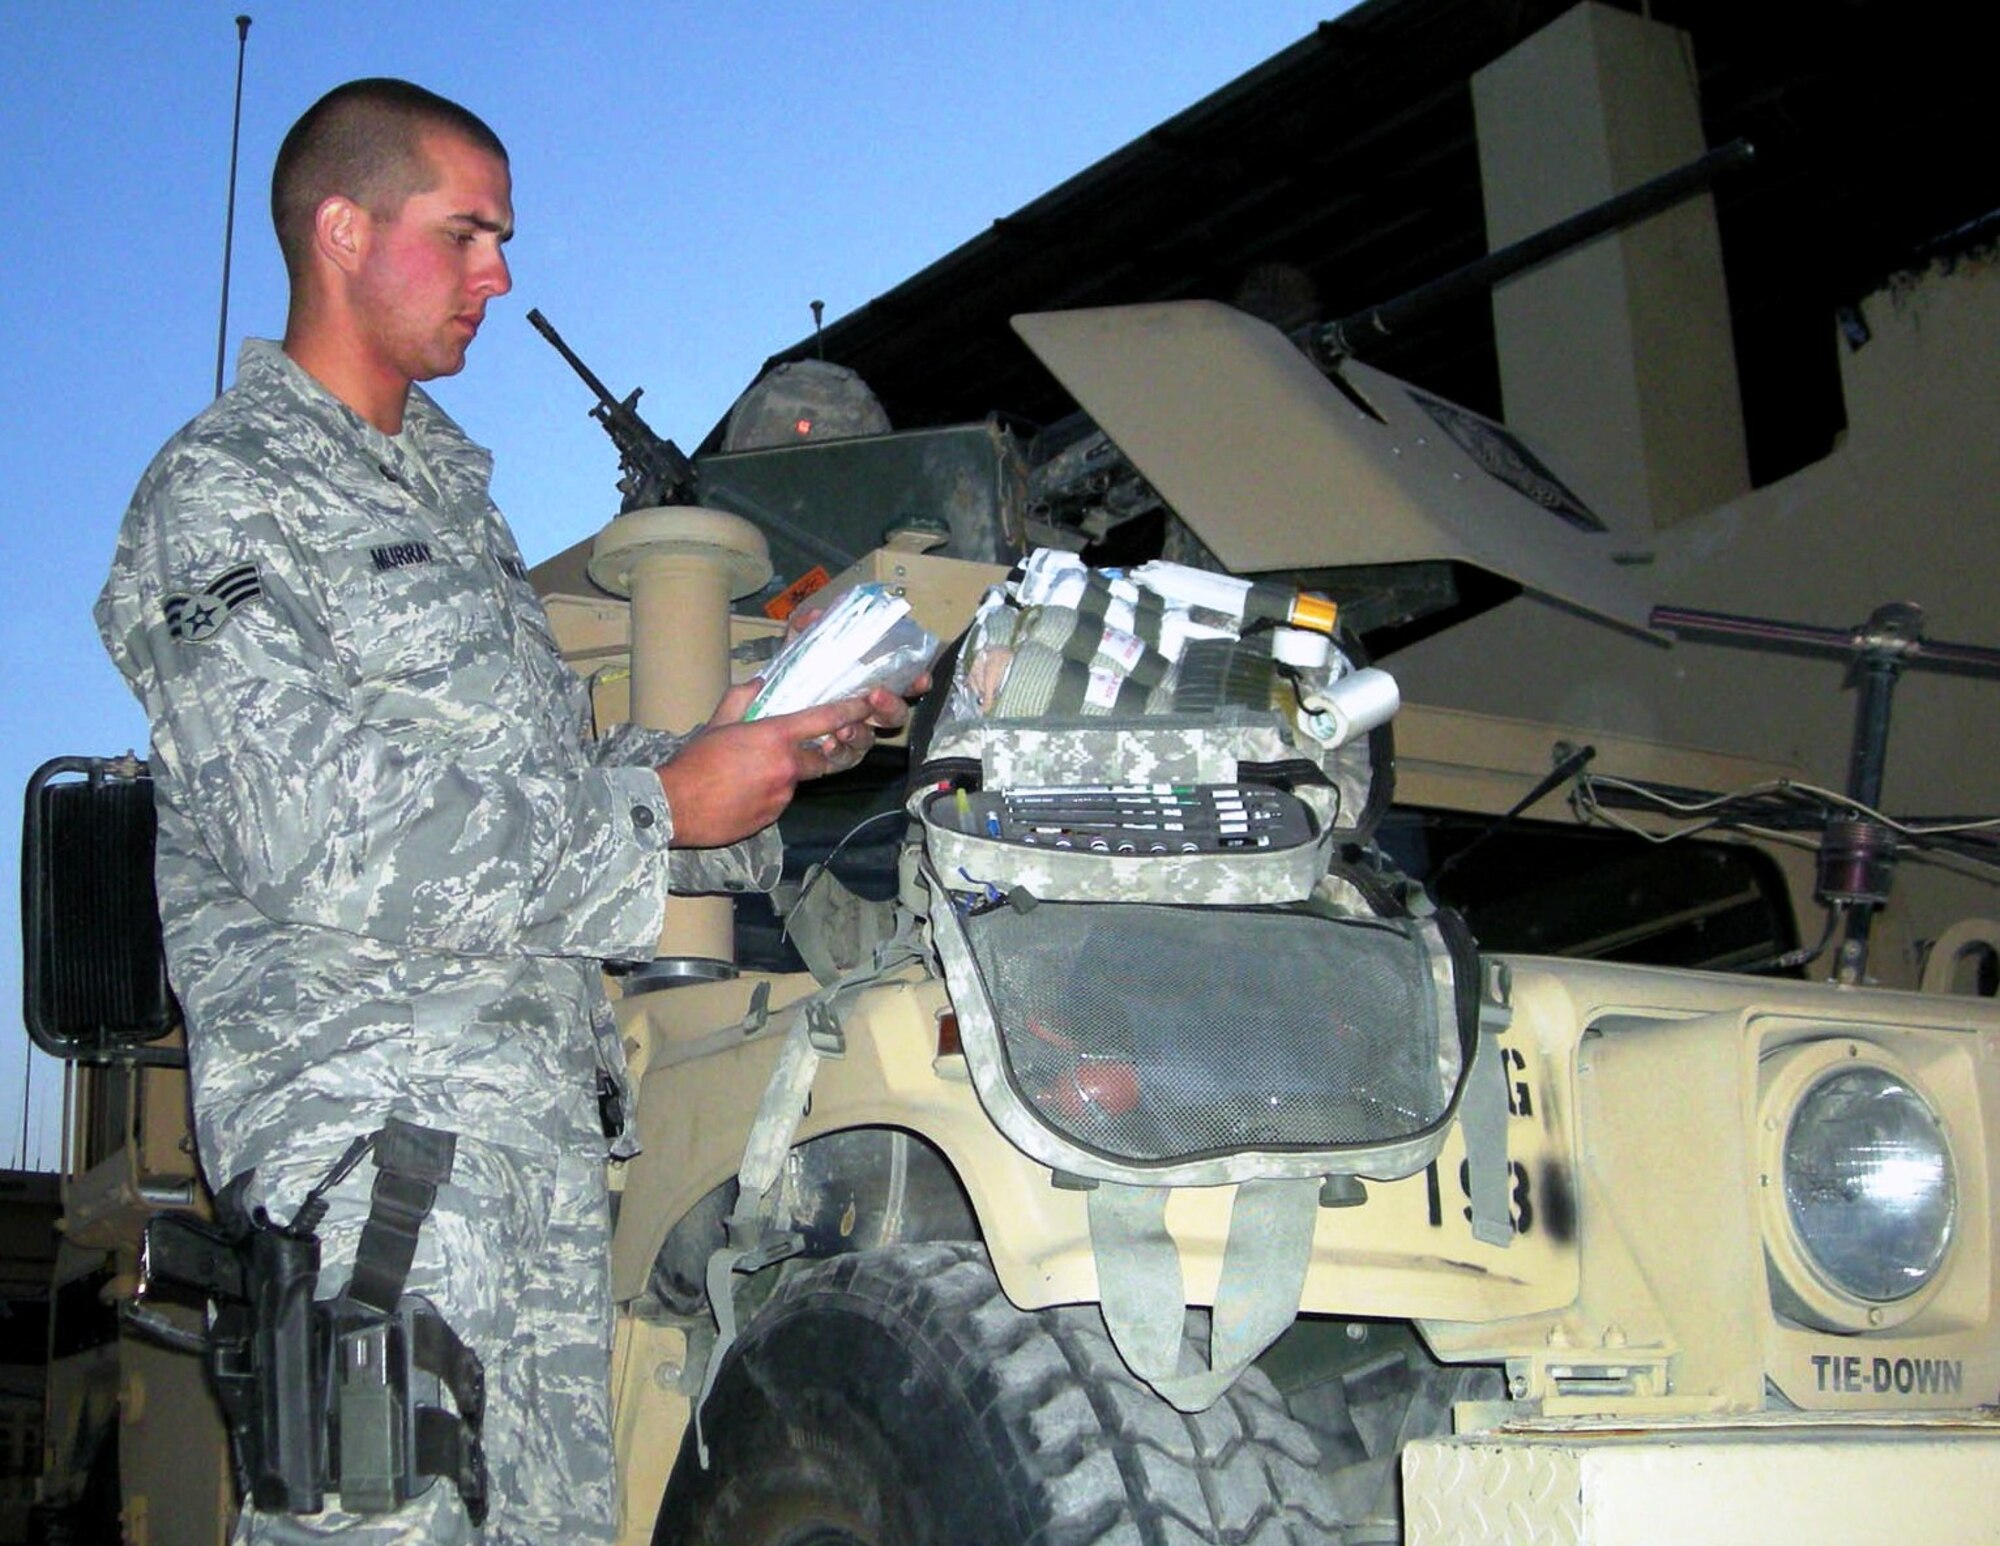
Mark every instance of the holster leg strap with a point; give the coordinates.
(411, 1163)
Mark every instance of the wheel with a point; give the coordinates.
(896, 1398)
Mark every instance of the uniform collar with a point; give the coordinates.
(264, 370)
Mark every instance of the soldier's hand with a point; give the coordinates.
(886, 711)
(731, 779)
(847, 746)
(842, 748)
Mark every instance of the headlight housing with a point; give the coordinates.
(1861, 1191)
(1868, 1183)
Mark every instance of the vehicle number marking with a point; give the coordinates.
(1520, 1103)
(1521, 1207)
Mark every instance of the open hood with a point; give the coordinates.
(1277, 467)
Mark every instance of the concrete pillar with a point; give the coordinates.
(1617, 358)
(682, 567)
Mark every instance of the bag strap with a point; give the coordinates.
(756, 1235)
(1140, 1288)
(1483, 1115)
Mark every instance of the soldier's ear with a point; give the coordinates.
(340, 231)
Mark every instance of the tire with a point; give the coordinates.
(897, 1398)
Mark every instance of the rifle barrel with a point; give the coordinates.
(1353, 334)
(547, 330)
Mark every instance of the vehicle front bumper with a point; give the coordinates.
(1781, 1477)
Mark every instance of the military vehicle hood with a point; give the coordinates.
(1276, 466)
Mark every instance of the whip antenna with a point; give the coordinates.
(229, 220)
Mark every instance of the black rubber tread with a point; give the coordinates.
(1016, 1428)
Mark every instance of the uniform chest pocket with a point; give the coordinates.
(412, 613)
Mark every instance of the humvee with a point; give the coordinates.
(1663, 1235)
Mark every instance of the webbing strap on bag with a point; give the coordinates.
(1483, 1116)
(756, 1235)
(1140, 1287)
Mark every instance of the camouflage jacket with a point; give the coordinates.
(391, 855)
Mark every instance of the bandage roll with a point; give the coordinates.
(1355, 705)
(1300, 648)
(1030, 682)
(1267, 601)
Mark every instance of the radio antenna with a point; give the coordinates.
(229, 220)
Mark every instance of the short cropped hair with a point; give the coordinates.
(363, 140)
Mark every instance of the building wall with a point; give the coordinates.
(1905, 509)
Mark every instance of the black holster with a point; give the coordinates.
(390, 1438)
(339, 1395)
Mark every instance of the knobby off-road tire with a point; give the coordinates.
(897, 1398)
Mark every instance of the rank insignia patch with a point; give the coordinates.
(193, 618)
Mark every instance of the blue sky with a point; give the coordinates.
(688, 178)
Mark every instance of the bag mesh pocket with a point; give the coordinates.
(1150, 1033)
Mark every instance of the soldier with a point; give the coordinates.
(390, 855)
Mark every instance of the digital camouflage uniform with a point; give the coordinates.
(390, 859)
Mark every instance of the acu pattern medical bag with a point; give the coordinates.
(1135, 809)
(1134, 813)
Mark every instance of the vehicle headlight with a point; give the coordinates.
(1868, 1183)
(1859, 1190)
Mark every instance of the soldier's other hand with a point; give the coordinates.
(845, 746)
(885, 711)
(731, 779)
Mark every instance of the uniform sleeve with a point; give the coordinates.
(321, 806)
(755, 864)
(634, 746)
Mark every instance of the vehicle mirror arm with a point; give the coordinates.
(1858, 850)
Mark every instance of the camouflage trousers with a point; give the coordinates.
(515, 1257)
